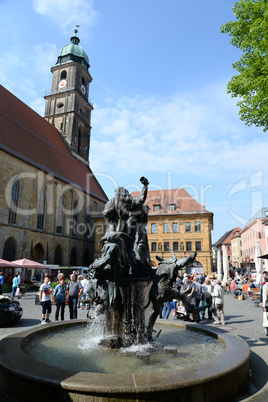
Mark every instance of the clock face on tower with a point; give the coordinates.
(62, 84)
(83, 89)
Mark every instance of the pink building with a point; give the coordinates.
(226, 241)
(254, 231)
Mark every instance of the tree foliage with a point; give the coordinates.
(249, 32)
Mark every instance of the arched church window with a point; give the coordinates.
(9, 251)
(60, 216)
(14, 200)
(75, 219)
(58, 255)
(86, 258)
(41, 210)
(73, 257)
(83, 81)
(79, 141)
(63, 75)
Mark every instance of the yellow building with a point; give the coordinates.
(176, 221)
(236, 246)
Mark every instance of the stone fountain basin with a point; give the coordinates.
(28, 380)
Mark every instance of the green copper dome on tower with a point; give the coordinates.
(73, 53)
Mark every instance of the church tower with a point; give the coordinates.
(67, 106)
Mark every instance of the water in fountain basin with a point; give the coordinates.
(77, 349)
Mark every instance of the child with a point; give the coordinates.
(181, 311)
(44, 297)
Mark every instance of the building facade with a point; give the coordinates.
(225, 240)
(177, 221)
(253, 232)
(236, 246)
(49, 194)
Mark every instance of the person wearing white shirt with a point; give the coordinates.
(217, 303)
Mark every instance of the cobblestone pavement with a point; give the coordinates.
(243, 319)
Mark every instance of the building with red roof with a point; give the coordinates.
(226, 241)
(49, 193)
(177, 221)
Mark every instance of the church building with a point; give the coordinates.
(48, 191)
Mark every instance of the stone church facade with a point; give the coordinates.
(49, 193)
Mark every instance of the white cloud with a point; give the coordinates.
(34, 74)
(45, 56)
(68, 13)
(199, 136)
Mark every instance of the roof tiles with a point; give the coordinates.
(28, 136)
(179, 199)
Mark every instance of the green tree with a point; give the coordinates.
(249, 33)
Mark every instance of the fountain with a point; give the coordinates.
(127, 296)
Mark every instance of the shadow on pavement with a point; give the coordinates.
(230, 321)
(254, 342)
(258, 378)
(23, 322)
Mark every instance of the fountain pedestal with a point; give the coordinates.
(126, 319)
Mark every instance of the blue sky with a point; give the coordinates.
(161, 110)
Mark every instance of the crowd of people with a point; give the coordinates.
(75, 290)
(241, 283)
(200, 290)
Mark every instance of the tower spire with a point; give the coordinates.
(74, 39)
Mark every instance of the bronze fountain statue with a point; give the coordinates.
(128, 289)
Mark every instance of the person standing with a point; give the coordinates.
(197, 296)
(178, 283)
(207, 297)
(86, 285)
(60, 298)
(166, 310)
(217, 303)
(188, 289)
(18, 289)
(1, 282)
(44, 297)
(265, 302)
(19, 279)
(75, 290)
(14, 285)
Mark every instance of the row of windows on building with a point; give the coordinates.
(175, 227)
(12, 217)
(176, 246)
(248, 251)
(158, 207)
(252, 235)
(10, 248)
